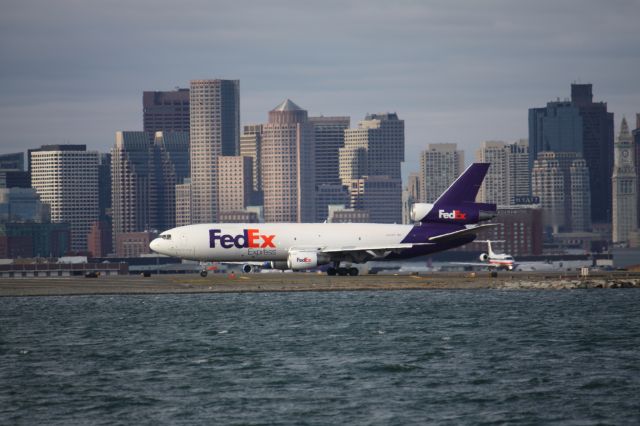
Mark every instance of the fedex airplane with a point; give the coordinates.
(451, 221)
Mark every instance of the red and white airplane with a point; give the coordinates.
(496, 260)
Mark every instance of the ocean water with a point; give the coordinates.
(397, 357)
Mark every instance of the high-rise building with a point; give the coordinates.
(440, 165)
(214, 131)
(144, 174)
(66, 178)
(370, 166)
(104, 186)
(132, 185)
(12, 173)
(165, 111)
(235, 180)
(288, 172)
(583, 126)
(636, 147)
(171, 167)
(374, 148)
(22, 205)
(560, 180)
(509, 176)
(327, 195)
(380, 195)
(625, 187)
(329, 136)
(183, 203)
(250, 143)
(410, 196)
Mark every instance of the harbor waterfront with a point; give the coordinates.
(320, 357)
(266, 282)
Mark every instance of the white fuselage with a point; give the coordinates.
(271, 242)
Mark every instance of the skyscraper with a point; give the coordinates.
(636, 147)
(214, 131)
(66, 178)
(165, 111)
(250, 145)
(440, 165)
(583, 126)
(329, 136)
(171, 167)
(370, 165)
(288, 172)
(625, 186)
(12, 173)
(560, 180)
(509, 176)
(235, 177)
(132, 183)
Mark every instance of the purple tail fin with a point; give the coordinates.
(465, 188)
(458, 203)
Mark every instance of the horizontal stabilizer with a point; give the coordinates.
(462, 232)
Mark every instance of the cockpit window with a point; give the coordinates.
(165, 236)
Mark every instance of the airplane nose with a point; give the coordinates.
(155, 244)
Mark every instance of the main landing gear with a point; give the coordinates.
(337, 270)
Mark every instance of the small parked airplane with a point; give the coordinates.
(451, 221)
(494, 260)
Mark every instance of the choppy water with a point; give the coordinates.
(452, 357)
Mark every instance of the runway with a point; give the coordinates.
(273, 282)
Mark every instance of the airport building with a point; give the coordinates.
(583, 126)
(440, 165)
(288, 171)
(66, 178)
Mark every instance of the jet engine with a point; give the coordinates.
(420, 210)
(246, 268)
(281, 265)
(306, 259)
(484, 257)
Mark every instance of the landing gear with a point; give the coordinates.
(336, 269)
(203, 274)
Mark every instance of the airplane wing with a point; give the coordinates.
(363, 253)
(461, 232)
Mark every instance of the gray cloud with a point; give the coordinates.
(464, 71)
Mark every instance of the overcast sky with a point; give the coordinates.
(73, 71)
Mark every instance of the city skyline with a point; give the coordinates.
(456, 73)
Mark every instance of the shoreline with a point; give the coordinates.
(305, 282)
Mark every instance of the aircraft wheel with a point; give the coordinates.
(331, 271)
(343, 271)
(203, 274)
(353, 271)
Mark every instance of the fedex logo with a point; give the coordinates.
(303, 260)
(250, 238)
(455, 215)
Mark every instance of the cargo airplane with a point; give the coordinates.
(451, 221)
